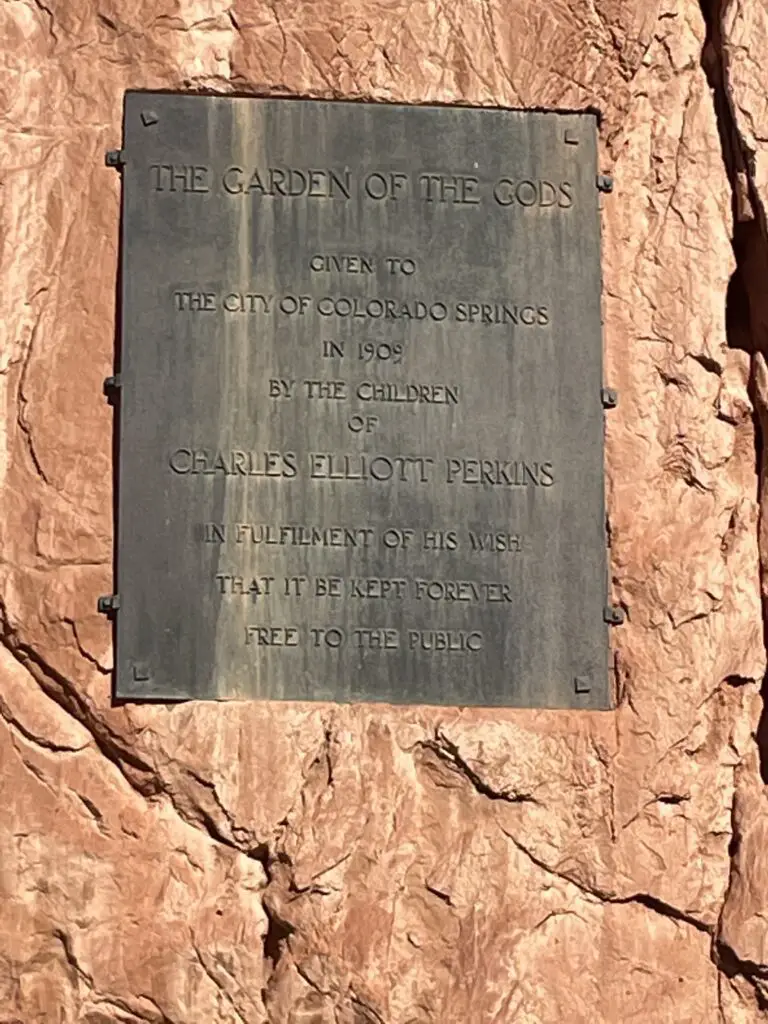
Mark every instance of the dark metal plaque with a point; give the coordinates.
(361, 432)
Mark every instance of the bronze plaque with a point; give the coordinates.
(360, 421)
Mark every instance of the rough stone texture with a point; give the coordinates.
(364, 865)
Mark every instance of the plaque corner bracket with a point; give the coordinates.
(614, 615)
(111, 387)
(115, 158)
(604, 183)
(108, 604)
(609, 397)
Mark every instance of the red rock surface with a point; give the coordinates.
(248, 863)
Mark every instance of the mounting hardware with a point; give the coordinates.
(112, 386)
(605, 183)
(115, 158)
(609, 397)
(613, 614)
(149, 117)
(581, 684)
(141, 673)
(108, 604)
(569, 138)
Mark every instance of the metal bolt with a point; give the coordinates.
(609, 398)
(108, 604)
(114, 158)
(613, 614)
(149, 117)
(581, 684)
(605, 183)
(141, 673)
(569, 138)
